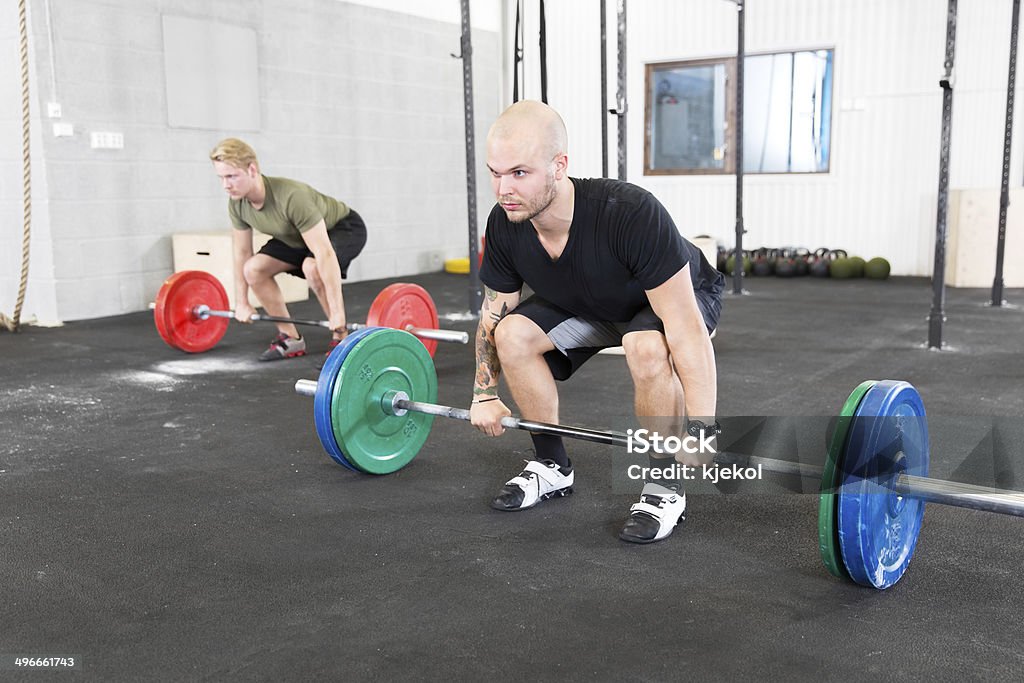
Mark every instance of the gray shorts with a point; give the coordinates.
(577, 339)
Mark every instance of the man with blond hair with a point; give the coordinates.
(313, 236)
(607, 267)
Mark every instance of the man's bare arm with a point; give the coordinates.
(496, 306)
(692, 353)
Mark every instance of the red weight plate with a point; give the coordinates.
(402, 305)
(175, 320)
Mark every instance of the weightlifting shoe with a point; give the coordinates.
(655, 516)
(333, 344)
(539, 480)
(284, 346)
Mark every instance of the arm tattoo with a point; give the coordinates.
(496, 317)
(488, 367)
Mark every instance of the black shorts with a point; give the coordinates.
(348, 237)
(577, 339)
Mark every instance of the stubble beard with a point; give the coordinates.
(530, 210)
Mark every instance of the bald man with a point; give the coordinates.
(607, 267)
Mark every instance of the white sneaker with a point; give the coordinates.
(539, 480)
(655, 516)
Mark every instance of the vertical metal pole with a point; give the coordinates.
(1004, 195)
(604, 90)
(543, 45)
(621, 94)
(476, 296)
(789, 141)
(517, 53)
(938, 314)
(737, 270)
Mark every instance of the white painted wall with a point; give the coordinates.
(880, 197)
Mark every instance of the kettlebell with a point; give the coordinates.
(818, 263)
(762, 264)
(801, 256)
(785, 266)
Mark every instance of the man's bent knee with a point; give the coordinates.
(646, 353)
(517, 335)
(261, 268)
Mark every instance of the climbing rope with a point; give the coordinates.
(14, 322)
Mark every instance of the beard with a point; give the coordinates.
(530, 209)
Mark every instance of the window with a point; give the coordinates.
(787, 115)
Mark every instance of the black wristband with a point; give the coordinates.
(696, 428)
(485, 400)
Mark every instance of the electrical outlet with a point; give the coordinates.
(63, 130)
(53, 110)
(106, 140)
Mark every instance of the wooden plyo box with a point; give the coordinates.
(973, 229)
(211, 251)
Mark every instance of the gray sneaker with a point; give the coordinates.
(284, 346)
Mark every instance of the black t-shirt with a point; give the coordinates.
(622, 241)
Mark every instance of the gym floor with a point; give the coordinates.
(172, 516)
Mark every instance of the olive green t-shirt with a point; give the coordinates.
(290, 209)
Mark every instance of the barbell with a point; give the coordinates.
(374, 406)
(191, 313)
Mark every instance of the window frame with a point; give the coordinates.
(729, 63)
(730, 114)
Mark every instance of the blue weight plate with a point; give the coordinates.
(325, 392)
(878, 529)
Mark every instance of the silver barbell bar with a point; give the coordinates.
(204, 312)
(939, 491)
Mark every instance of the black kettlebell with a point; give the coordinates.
(801, 256)
(819, 261)
(785, 265)
(762, 264)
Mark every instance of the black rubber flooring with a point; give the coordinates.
(166, 516)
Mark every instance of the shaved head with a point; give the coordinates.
(529, 120)
(526, 154)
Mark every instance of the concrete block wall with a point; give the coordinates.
(361, 102)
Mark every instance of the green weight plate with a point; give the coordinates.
(828, 534)
(372, 439)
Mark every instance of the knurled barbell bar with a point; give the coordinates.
(374, 406)
(191, 313)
